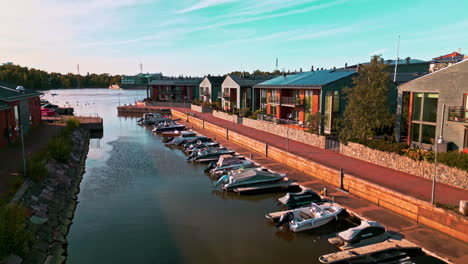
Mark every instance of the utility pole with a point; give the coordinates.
(78, 77)
(396, 61)
(277, 63)
(440, 140)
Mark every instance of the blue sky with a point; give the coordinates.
(197, 37)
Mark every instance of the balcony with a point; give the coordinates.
(223, 95)
(263, 100)
(458, 114)
(293, 101)
(274, 100)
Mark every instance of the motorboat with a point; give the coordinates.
(302, 198)
(197, 146)
(227, 163)
(168, 126)
(249, 178)
(305, 218)
(210, 153)
(368, 232)
(179, 141)
(178, 133)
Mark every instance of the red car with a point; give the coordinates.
(47, 112)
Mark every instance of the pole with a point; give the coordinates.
(20, 129)
(396, 61)
(438, 141)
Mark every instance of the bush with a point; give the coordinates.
(313, 122)
(13, 233)
(419, 154)
(206, 104)
(59, 148)
(36, 169)
(73, 123)
(245, 112)
(216, 105)
(197, 102)
(385, 145)
(256, 113)
(454, 159)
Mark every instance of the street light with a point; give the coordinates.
(287, 132)
(440, 140)
(19, 129)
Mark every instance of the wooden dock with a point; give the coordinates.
(87, 122)
(140, 110)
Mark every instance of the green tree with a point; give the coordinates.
(368, 108)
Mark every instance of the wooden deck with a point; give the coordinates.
(86, 122)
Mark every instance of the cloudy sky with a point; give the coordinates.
(196, 37)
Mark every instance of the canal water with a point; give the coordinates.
(141, 202)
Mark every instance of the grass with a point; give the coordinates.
(13, 233)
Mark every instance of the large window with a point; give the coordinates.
(308, 104)
(328, 111)
(263, 100)
(424, 118)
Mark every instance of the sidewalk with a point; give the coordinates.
(399, 181)
(11, 157)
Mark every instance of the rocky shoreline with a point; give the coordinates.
(52, 203)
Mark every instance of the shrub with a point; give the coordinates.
(419, 154)
(197, 102)
(73, 123)
(385, 145)
(13, 233)
(244, 112)
(313, 122)
(454, 159)
(216, 105)
(36, 169)
(59, 148)
(256, 113)
(206, 104)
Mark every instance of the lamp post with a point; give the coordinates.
(287, 133)
(440, 140)
(19, 129)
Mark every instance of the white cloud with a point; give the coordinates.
(204, 4)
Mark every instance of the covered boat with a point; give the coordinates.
(297, 199)
(178, 133)
(305, 218)
(168, 126)
(228, 163)
(199, 145)
(210, 153)
(249, 178)
(368, 232)
(151, 119)
(179, 141)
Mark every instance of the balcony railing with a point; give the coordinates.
(274, 100)
(263, 100)
(277, 120)
(291, 101)
(458, 114)
(205, 93)
(223, 95)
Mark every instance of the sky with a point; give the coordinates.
(199, 37)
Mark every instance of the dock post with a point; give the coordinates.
(227, 133)
(203, 123)
(266, 149)
(341, 179)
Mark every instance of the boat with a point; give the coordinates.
(168, 126)
(302, 198)
(196, 146)
(305, 218)
(178, 133)
(151, 119)
(209, 153)
(227, 163)
(249, 179)
(368, 232)
(179, 141)
(390, 251)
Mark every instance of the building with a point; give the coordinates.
(296, 97)
(174, 89)
(19, 108)
(237, 92)
(210, 87)
(140, 79)
(421, 109)
(445, 61)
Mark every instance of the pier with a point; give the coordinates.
(87, 122)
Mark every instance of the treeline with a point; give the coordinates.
(35, 79)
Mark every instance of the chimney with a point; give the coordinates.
(312, 68)
(346, 65)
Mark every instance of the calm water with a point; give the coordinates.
(141, 202)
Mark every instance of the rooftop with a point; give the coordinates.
(215, 80)
(311, 78)
(250, 81)
(177, 81)
(9, 93)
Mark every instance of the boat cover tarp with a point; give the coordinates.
(256, 176)
(353, 232)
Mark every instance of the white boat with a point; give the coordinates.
(250, 178)
(228, 163)
(305, 218)
(368, 232)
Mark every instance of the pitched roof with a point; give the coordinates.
(215, 80)
(403, 77)
(311, 78)
(250, 81)
(9, 93)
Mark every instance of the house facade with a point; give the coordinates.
(424, 113)
(19, 108)
(174, 90)
(296, 97)
(210, 87)
(237, 92)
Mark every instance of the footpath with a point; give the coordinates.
(439, 244)
(405, 183)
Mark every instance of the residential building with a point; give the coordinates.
(298, 96)
(422, 103)
(210, 87)
(19, 108)
(174, 89)
(445, 61)
(237, 92)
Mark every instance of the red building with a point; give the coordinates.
(19, 109)
(174, 90)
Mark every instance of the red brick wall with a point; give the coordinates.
(35, 110)
(3, 126)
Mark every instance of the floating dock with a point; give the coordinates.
(89, 123)
(139, 110)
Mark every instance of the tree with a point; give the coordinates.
(368, 108)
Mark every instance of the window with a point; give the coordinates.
(328, 110)
(424, 118)
(273, 110)
(308, 104)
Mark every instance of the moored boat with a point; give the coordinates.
(249, 178)
(368, 232)
(302, 198)
(168, 126)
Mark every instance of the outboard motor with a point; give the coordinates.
(223, 180)
(210, 166)
(284, 219)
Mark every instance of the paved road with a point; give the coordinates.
(399, 181)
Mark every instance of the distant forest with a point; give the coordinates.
(31, 78)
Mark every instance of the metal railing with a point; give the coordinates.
(223, 95)
(458, 114)
(277, 120)
(291, 100)
(274, 100)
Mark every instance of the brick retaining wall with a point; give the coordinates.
(422, 212)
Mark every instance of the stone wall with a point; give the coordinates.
(445, 174)
(167, 104)
(201, 109)
(228, 117)
(283, 131)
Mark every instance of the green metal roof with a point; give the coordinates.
(311, 78)
(9, 93)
